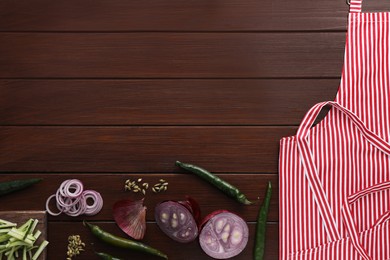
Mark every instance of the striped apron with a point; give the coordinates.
(334, 177)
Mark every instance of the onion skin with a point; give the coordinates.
(130, 216)
(193, 206)
(176, 219)
(211, 215)
(223, 235)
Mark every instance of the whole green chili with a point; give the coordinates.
(261, 225)
(16, 185)
(105, 256)
(224, 186)
(122, 242)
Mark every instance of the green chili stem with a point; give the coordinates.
(261, 225)
(122, 242)
(222, 185)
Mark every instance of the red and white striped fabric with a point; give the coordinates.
(335, 177)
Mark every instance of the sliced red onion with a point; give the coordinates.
(193, 206)
(76, 209)
(72, 200)
(97, 204)
(71, 188)
(48, 207)
(176, 219)
(66, 201)
(223, 235)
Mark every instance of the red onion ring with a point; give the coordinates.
(48, 208)
(71, 188)
(97, 202)
(65, 201)
(71, 199)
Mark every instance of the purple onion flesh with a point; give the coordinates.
(223, 235)
(176, 221)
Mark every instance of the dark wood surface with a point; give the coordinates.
(106, 91)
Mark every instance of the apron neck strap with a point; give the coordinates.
(311, 115)
(355, 6)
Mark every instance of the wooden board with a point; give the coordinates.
(174, 15)
(141, 102)
(21, 217)
(121, 89)
(140, 149)
(171, 55)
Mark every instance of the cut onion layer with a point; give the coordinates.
(130, 216)
(178, 219)
(223, 235)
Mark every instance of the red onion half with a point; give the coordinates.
(223, 235)
(178, 219)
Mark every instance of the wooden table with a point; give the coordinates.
(106, 91)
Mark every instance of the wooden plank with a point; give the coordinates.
(148, 15)
(140, 149)
(180, 185)
(160, 15)
(161, 102)
(171, 55)
(59, 232)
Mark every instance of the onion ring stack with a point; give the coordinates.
(73, 200)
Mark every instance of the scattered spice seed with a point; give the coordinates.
(139, 186)
(162, 185)
(75, 246)
(135, 187)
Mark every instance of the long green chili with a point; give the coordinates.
(105, 256)
(261, 225)
(222, 185)
(16, 185)
(122, 242)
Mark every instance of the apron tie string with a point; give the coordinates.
(350, 222)
(355, 6)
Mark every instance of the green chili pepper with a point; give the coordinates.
(122, 242)
(12, 186)
(105, 256)
(224, 186)
(261, 225)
